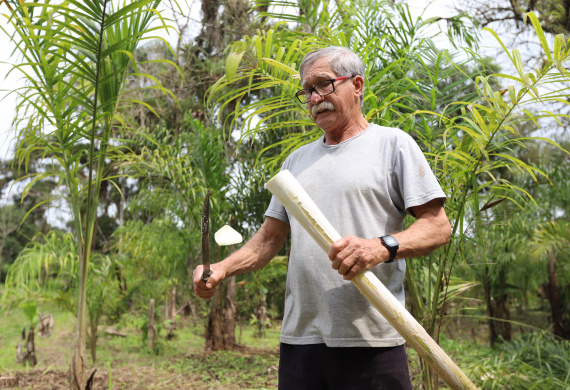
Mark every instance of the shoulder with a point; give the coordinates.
(390, 137)
(389, 133)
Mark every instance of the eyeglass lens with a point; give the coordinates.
(323, 88)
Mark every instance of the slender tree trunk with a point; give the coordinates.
(502, 310)
(229, 314)
(121, 203)
(142, 113)
(31, 346)
(555, 303)
(173, 304)
(193, 311)
(262, 315)
(171, 312)
(489, 304)
(217, 338)
(93, 342)
(77, 366)
(151, 332)
(215, 329)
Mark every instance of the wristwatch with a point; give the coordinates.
(392, 245)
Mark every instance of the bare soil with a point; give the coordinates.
(127, 368)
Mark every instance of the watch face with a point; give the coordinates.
(390, 241)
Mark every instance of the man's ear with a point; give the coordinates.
(358, 82)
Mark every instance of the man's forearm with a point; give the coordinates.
(258, 251)
(423, 237)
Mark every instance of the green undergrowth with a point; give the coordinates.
(531, 361)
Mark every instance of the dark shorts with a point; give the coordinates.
(318, 367)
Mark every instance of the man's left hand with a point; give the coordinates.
(351, 254)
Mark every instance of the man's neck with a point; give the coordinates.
(352, 129)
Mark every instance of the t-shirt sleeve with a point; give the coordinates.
(413, 182)
(276, 209)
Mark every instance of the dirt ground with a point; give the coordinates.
(128, 377)
(125, 367)
(125, 378)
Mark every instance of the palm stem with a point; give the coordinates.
(78, 362)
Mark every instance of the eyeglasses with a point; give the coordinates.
(322, 88)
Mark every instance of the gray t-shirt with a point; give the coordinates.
(363, 186)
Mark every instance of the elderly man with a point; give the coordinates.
(364, 178)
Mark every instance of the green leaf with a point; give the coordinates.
(280, 65)
(517, 62)
(540, 33)
(232, 64)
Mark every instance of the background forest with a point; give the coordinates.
(119, 133)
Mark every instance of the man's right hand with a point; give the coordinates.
(206, 290)
(256, 253)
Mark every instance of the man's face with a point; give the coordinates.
(334, 111)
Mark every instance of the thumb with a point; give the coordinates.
(215, 278)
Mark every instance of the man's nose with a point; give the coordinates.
(315, 97)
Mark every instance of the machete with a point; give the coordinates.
(206, 239)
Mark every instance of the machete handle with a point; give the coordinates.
(206, 275)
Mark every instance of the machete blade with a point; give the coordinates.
(206, 238)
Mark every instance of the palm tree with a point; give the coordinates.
(76, 58)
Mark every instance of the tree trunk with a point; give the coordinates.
(93, 336)
(151, 332)
(77, 366)
(173, 304)
(121, 204)
(215, 329)
(31, 347)
(220, 331)
(489, 304)
(229, 314)
(193, 311)
(171, 312)
(502, 310)
(555, 303)
(26, 350)
(262, 315)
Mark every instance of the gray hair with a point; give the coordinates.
(342, 60)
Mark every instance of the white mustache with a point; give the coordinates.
(323, 106)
